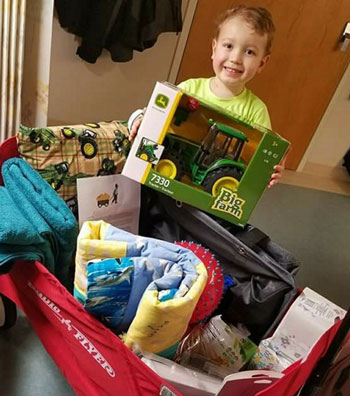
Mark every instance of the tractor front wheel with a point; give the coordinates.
(55, 184)
(171, 166)
(222, 177)
(68, 133)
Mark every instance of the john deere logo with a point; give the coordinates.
(162, 101)
(229, 202)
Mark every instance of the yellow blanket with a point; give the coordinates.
(159, 267)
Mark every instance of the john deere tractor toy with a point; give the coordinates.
(43, 137)
(107, 167)
(213, 164)
(146, 150)
(58, 175)
(87, 140)
(121, 143)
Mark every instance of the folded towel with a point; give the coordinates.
(159, 269)
(18, 237)
(14, 228)
(45, 218)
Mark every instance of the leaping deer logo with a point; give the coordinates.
(162, 101)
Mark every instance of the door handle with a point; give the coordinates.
(345, 38)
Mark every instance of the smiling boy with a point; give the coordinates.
(240, 49)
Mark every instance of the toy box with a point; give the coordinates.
(197, 154)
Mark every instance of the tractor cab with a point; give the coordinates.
(221, 142)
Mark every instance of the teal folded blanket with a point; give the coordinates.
(35, 222)
(18, 237)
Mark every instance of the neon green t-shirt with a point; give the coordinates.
(246, 105)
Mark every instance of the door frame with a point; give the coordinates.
(181, 43)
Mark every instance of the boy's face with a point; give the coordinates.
(239, 53)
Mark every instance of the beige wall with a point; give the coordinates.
(332, 137)
(83, 92)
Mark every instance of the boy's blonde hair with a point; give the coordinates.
(259, 18)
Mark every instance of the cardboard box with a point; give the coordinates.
(197, 154)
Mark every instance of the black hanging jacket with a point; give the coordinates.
(121, 26)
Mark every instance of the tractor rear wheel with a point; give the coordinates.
(222, 177)
(35, 137)
(88, 147)
(171, 166)
(144, 157)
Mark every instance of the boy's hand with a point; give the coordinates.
(136, 125)
(277, 175)
(278, 170)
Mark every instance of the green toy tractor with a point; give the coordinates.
(121, 143)
(213, 164)
(88, 145)
(43, 137)
(58, 175)
(107, 167)
(146, 151)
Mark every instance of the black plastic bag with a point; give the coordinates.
(346, 162)
(264, 270)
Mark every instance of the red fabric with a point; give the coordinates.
(92, 358)
(8, 149)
